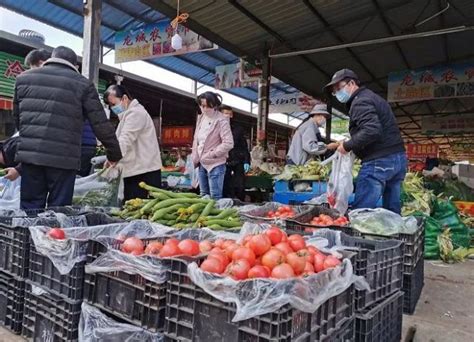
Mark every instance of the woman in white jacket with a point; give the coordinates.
(136, 134)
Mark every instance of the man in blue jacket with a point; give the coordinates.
(375, 139)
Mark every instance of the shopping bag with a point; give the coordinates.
(340, 185)
(101, 189)
(10, 193)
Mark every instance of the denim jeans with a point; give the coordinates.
(212, 183)
(381, 177)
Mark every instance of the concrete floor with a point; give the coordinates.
(445, 311)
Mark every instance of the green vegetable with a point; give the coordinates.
(173, 201)
(224, 214)
(160, 196)
(205, 212)
(149, 206)
(169, 209)
(167, 193)
(223, 223)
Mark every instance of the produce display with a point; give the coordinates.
(179, 210)
(271, 254)
(313, 170)
(282, 212)
(170, 248)
(326, 220)
(415, 197)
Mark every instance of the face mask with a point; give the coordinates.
(342, 95)
(117, 109)
(207, 111)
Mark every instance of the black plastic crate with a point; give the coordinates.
(301, 223)
(48, 317)
(412, 286)
(194, 315)
(14, 250)
(382, 322)
(12, 292)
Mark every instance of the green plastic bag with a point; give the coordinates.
(446, 213)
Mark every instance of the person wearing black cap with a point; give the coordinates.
(375, 139)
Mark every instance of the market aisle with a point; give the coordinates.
(445, 311)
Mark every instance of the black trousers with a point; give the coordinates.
(87, 153)
(234, 182)
(43, 186)
(132, 190)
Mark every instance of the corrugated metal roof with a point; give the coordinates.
(122, 15)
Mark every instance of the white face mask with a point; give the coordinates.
(207, 111)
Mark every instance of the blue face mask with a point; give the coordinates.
(342, 95)
(117, 109)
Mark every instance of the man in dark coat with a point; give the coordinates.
(375, 139)
(8, 149)
(50, 106)
(238, 163)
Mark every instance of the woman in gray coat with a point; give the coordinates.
(307, 141)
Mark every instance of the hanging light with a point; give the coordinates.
(176, 40)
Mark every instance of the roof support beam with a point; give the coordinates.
(91, 40)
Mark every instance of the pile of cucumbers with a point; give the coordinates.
(179, 210)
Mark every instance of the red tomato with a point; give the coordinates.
(260, 244)
(153, 248)
(259, 272)
(275, 234)
(133, 245)
(308, 268)
(57, 234)
(212, 265)
(296, 242)
(284, 247)
(189, 247)
(283, 271)
(205, 246)
(238, 269)
(296, 262)
(306, 254)
(331, 262)
(227, 243)
(220, 256)
(230, 249)
(169, 250)
(271, 213)
(244, 253)
(284, 238)
(273, 257)
(319, 262)
(312, 250)
(172, 241)
(219, 243)
(307, 274)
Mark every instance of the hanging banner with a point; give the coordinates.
(227, 76)
(449, 124)
(249, 73)
(289, 103)
(10, 67)
(456, 80)
(422, 151)
(154, 40)
(177, 136)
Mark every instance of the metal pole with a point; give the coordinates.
(91, 46)
(263, 98)
(375, 41)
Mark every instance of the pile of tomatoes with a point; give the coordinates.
(283, 212)
(272, 254)
(326, 220)
(170, 248)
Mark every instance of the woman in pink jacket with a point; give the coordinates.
(212, 143)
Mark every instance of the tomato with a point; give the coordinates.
(230, 249)
(153, 248)
(312, 250)
(219, 243)
(306, 254)
(307, 274)
(260, 244)
(258, 261)
(308, 267)
(220, 256)
(205, 246)
(247, 238)
(273, 257)
(284, 247)
(57, 234)
(169, 250)
(212, 265)
(319, 262)
(244, 253)
(227, 243)
(296, 262)
(133, 245)
(275, 234)
(284, 238)
(189, 247)
(259, 272)
(270, 213)
(172, 241)
(296, 242)
(331, 262)
(238, 269)
(283, 271)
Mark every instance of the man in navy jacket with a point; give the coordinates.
(375, 139)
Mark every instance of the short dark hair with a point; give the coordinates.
(65, 53)
(117, 90)
(226, 107)
(356, 81)
(34, 57)
(213, 100)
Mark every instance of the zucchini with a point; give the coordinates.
(224, 214)
(159, 195)
(173, 201)
(149, 206)
(205, 212)
(168, 193)
(158, 215)
(223, 223)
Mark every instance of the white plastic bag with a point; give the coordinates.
(10, 193)
(101, 189)
(340, 185)
(381, 221)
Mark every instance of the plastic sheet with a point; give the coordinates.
(94, 326)
(10, 193)
(382, 222)
(258, 213)
(260, 296)
(100, 189)
(340, 185)
(50, 219)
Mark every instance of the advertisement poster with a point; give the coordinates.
(422, 151)
(154, 40)
(448, 81)
(177, 135)
(289, 103)
(227, 76)
(452, 124)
